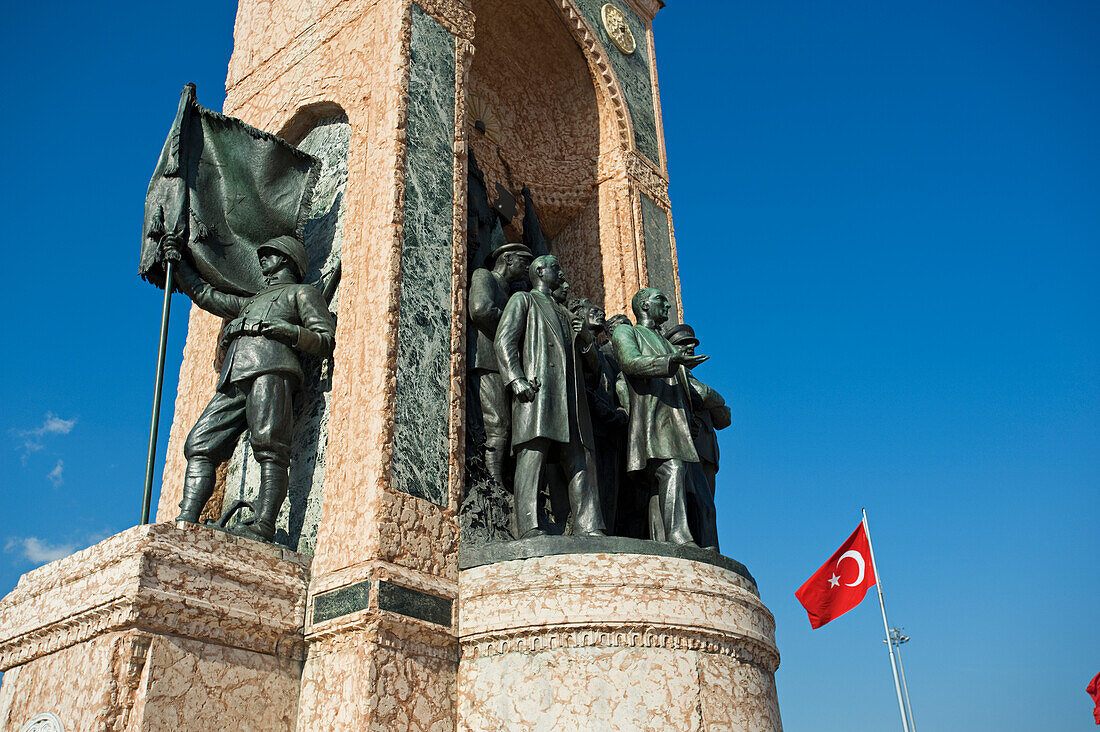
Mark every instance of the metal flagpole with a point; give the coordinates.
(885, 625)
(900, 639)
(151, 456)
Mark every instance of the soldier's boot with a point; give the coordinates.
(198, 486)
(274, 483)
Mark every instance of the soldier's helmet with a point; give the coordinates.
(293, 250)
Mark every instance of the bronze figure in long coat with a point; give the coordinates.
(540, 360)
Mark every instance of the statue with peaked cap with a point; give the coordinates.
(259, 375)
(489, 291)
(708, 414)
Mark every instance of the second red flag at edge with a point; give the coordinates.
(841, 583)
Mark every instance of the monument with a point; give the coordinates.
(440, 458)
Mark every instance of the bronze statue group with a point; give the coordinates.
(604, 414)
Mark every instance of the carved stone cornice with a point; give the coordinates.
(184, 581)
(626, 635)
(639, 171)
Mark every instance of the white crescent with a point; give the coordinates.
(859, 560)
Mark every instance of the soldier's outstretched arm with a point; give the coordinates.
(317, 333)
(631, 360)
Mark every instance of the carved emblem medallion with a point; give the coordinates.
(43, 723)
(615, 23)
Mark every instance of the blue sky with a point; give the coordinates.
(887, 217)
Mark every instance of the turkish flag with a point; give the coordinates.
(841, 583)
(1093, 690)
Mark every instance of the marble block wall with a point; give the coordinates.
(614, 642)
(157, 628)
(296, 527)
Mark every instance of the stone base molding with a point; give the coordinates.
(614, 642)
(160, 627)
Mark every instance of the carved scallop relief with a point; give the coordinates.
(45, 722)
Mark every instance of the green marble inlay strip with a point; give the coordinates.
(341, 601)
(414, 603)
(422, 407)
(658, 252)
(632, 72)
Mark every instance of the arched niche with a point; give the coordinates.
(532, 88)
(323, 131)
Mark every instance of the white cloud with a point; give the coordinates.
(38, 550)
(56, 476)
(54, 425)
(51, 425)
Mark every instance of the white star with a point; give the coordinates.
(834, 581)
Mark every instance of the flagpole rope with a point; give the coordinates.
(885, 624)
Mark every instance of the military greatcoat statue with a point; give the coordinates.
(489, 293)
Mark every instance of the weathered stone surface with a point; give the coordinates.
(633, 72)
(157, 628)
(614, 642)
(341, 601)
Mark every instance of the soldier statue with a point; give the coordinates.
(539, 351)
(259, 375)
(708, 414)
(659, 443)
(489, 293)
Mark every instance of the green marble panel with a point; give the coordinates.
(422, 410)
(342, 601)
(633, 73)
(658, 252)
(414, 603)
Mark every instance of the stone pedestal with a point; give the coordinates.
(614, 642)
(157, 628)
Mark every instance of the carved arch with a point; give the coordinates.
(607, 83)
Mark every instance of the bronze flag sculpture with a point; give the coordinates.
(223, 223)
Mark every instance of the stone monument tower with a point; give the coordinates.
(367, 613)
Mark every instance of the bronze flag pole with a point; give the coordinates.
(158, 387)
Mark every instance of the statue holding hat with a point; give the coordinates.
(709, 413)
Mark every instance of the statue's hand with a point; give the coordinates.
(683, 359)
(170, 248)
(280, 330)
(524, 390)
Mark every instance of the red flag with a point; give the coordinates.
(841, 583)
(1094, 691)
